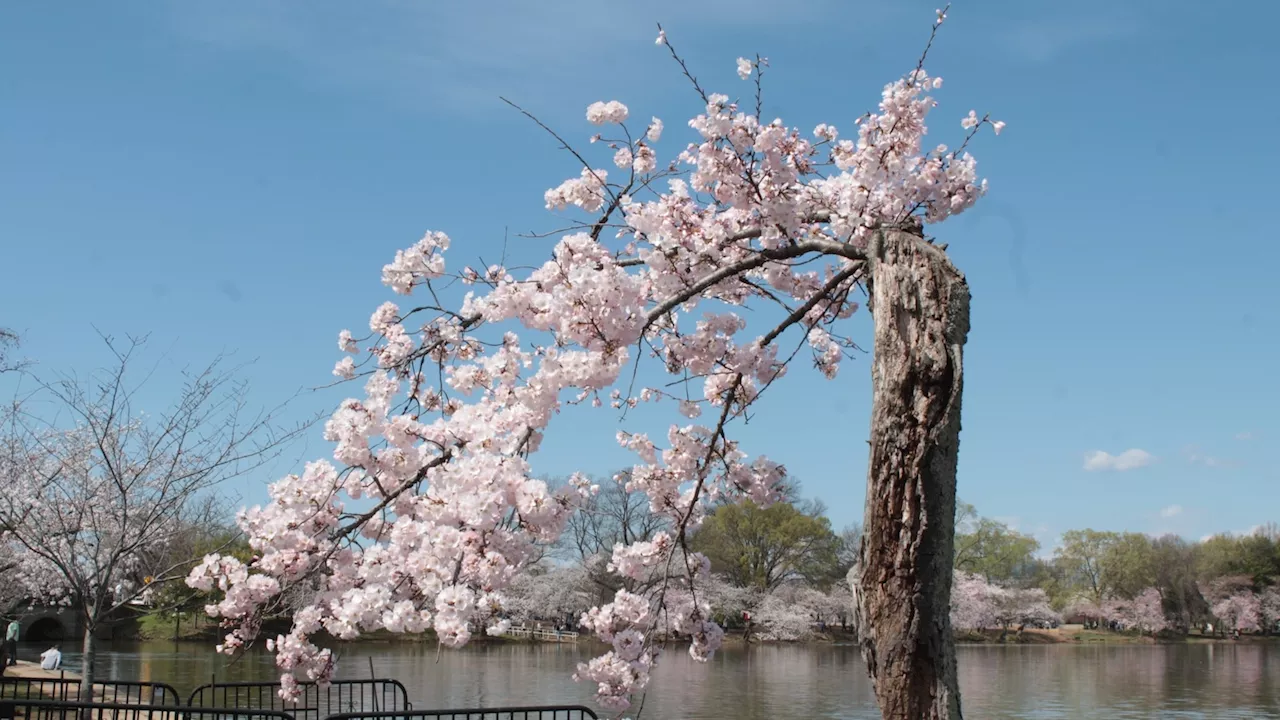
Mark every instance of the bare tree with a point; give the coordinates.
(850, 546)
(9, 342)
(613, 516)
(98, 495)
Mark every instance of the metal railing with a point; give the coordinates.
(378, 699)
(107, 691)
(533, 712)
(542, 634)
(341, 696)
(74, 710)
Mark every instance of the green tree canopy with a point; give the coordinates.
(1256, 555)
(990, 548)
(176, 598)
(1128, 565)
(1174, 561)
(1080, 560)
(761, 549)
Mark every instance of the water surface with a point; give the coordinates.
(1224, 680)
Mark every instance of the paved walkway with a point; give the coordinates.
(26, 669)
(31, 670)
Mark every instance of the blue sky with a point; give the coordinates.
(233, 176)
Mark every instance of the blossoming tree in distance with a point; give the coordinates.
(750, 215)
(98, 500)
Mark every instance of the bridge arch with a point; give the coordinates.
(47, 625)
(46, 628)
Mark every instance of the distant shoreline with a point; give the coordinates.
(1079, 636)
(1061, 636)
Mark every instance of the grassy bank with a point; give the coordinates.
(202, 630)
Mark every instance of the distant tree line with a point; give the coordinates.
(1129, 580)
(783, 566)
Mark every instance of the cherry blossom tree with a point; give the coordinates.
(1146, 612)
(1233, 601)
(1084, 609)
(778, 616)
(1241, 610)
(751, 214)
(971, 604)
(24, 579)
(1022, 606)
(93, 491)
(1269, 605)
(797, 612)
(552, 594)
(727, 600)
(977, 604)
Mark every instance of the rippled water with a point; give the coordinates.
(1222, 680)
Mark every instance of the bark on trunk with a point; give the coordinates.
(89, 652)
(902, 583)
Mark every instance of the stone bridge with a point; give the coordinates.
(52, 623)
(49, 623)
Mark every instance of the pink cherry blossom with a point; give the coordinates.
(1240, 611)
(1269, 606)
(431, 511)
(1147, 611)
(612, 112)
(645, 160)
(977, 604)
(654, 133)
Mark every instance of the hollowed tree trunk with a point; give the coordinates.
(902, 585)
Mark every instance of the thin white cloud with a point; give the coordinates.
(458, 57)
(1130, 459)
(1011, 521)
(1047, 36)
(1245, 436)
(1206, 460)
(1048, 541)
(1171, 511)
(1195, 457)
(1247, 532)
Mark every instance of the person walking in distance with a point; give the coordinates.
(11, 641)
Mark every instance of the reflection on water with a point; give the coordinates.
(783, 682)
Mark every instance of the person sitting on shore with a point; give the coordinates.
(51, 659)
